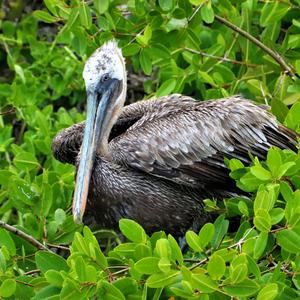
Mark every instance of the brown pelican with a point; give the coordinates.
(155, 161)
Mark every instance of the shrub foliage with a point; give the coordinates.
(206, 49)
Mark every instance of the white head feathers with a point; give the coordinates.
(107, 59)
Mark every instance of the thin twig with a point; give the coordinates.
(24, 236)
(198, 264)
(58, 247)
(10, 111)
(224, 59)
(32, 272)
(276, 56)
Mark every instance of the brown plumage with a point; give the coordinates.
(166, 155)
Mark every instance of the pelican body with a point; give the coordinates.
(155, 161)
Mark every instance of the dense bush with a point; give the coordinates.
(199, 48)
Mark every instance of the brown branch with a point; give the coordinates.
(32, 272)
(276, 56)
(10, 111)
(24, 236)
(237, 62)
(58, 247)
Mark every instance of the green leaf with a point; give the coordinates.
(80, 267)
(207, 13)
(269, 292)
(70, 290)
(206, 234)
(131, 49)
(274, 161)
(55, 278)
(20, 72)
(292, 119)
(166, 5)
(284, 168)
(25, 160)
(7, 241)
(7, 288)
(266, 197)
(193, 241)
(262, 220)
(273, 12)
(164, 265)
(73, 18)
(166, 88)
(276, 214)
(221, 227)
(147, 265)
(175, 250)
(162, 279)
(216, 267)
(253, 267)
(50, 261)
(85, 16)
(245, 288)
(260, 245)
(261, 173)
(101, 6)
(197, 2)
(60, 216)
(289, 240)
(238, 273)
(133, 231)
(2, 261)
(51, 5)
(141, 251)
(49, 292)
(163, 248)
(45, 17)
(126, 285)
(145, 61)
(204, 283)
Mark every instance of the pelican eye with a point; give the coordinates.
(105, 77)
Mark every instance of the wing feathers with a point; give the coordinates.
(186, 141)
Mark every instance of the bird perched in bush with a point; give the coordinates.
(155, 161)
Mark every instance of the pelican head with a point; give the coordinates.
(105, 80)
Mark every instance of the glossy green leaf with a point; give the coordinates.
(166, 88)
(147, 265)
(7, 288)
(207, 13)
(204, 283)
(7, 241)
(131, 49)
(166, 5)
(50, 261)
(162, 279)
(25, 160)
(216, 267)
(262, 220)
(260, 245)
(85, 15)
(133, 231)
(193, 240)
(269, 292)
(206, 234)
(44, 16)
(261, 173)
(245, 288)
(101, 6)
(289, 240)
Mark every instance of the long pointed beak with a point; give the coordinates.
(92, 134)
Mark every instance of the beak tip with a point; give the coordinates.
(77, 218)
